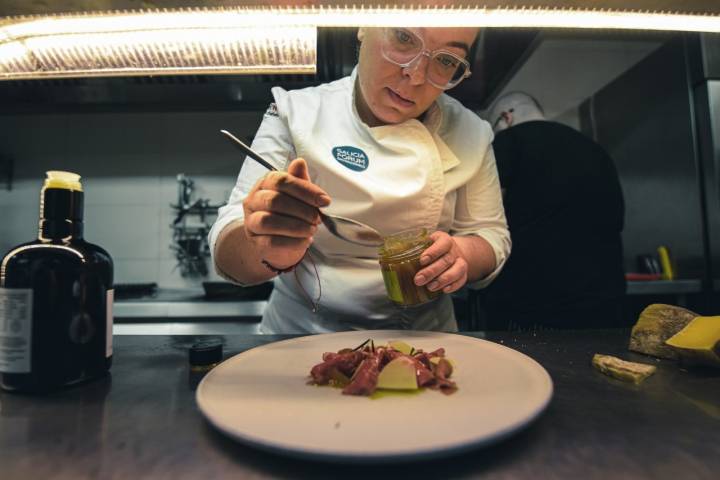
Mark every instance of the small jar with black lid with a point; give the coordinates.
(204, 356)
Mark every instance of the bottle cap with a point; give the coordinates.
(63, 180)
(205, 353)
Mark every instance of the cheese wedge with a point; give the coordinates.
(656, 324)
(621, 369)
(699, 341)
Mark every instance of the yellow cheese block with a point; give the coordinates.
(699, 341)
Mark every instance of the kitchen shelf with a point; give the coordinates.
(186, 303)
(133, 309)
(664, 287)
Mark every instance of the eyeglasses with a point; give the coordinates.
(403, 48)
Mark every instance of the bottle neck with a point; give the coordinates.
(61, 214)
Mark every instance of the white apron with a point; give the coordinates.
(390, 177)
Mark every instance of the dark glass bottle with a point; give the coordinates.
(55, 298)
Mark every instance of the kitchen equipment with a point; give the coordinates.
(261, 397)
(345, 228)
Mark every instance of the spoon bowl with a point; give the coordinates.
(345, 228)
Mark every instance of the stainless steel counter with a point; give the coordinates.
(191, 303)
(143, 423)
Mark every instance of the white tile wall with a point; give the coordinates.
(19, 225)
(125, 231)
(129, 163)
(101, 191)
(128, 270)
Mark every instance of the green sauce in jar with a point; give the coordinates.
(400, 262)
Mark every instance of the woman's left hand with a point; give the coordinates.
(444, 266)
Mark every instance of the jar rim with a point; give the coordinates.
(416, 237)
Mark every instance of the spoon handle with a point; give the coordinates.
(248, 151)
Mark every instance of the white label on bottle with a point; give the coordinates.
(109, 322)
(15, 329)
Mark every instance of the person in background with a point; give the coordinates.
(565, 211)
(384, 146)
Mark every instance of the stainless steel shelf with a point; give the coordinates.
(187, 328)
(664, 287)
(130, 309)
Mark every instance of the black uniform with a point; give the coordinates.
(565, 210)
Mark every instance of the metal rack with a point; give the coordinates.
(190, 238)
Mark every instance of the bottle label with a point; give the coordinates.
(109, 323)
(15, 329)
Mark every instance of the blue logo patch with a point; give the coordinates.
(351, 157)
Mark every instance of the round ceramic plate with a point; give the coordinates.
(261, 397)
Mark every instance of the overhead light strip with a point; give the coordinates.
(258, 39)
(157, 43)
(512, 17)
(370, 16)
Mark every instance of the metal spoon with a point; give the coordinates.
(345, 228)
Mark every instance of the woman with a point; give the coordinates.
(384, 147)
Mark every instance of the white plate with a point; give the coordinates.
(260, 397)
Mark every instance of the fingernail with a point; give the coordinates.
(433, 286)
(424, 260)
(420, 279)
(323, 200)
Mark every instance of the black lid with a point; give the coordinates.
(205, 353)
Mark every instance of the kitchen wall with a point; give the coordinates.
(644, 120)
(129, 163)
(566, 68)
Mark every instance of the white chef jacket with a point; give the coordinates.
(438, 173)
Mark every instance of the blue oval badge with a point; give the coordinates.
(351, 157)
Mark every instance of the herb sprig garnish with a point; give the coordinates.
(362, 345)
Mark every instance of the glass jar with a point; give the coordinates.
(400, 262)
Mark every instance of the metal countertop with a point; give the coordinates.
(142, 422)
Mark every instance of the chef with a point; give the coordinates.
(383, 146)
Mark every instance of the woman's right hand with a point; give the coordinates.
(281, 214)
